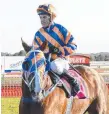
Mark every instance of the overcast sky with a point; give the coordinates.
(88, 21)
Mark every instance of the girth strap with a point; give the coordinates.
(69, 105)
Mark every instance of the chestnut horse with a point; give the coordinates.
(56, 101)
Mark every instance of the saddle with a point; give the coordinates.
(70, 89)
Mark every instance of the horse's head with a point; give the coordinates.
(33, 72)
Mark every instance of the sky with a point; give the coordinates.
(87, 20)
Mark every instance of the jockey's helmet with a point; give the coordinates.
(46, 9)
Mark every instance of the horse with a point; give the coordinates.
(56, 102)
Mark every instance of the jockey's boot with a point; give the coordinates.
(74, 84)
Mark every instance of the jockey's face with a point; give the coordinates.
(45, 20)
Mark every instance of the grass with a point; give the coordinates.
(9, 105)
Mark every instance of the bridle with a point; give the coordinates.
(26, 74)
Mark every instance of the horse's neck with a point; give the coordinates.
(57, 91)
(54, 101)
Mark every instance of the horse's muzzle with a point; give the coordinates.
(35, 96)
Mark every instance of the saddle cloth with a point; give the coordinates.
(83, 93)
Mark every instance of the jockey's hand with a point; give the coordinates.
(54, 56)
(54, 50)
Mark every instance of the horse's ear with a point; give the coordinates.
(26, 47)
(44, 45)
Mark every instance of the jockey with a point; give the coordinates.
(60, 42)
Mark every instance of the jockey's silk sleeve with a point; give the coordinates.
(38, 41)
(69, 42)
(57, 36)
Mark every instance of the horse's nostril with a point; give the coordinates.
(35, 96)
(33, 93)
(26, 65)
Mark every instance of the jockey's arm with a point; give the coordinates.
(70, 46)
(69, 43)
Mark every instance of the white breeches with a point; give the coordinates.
(58, 65)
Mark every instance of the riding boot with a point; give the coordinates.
(74, 84)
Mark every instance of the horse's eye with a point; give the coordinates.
(26, 65)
